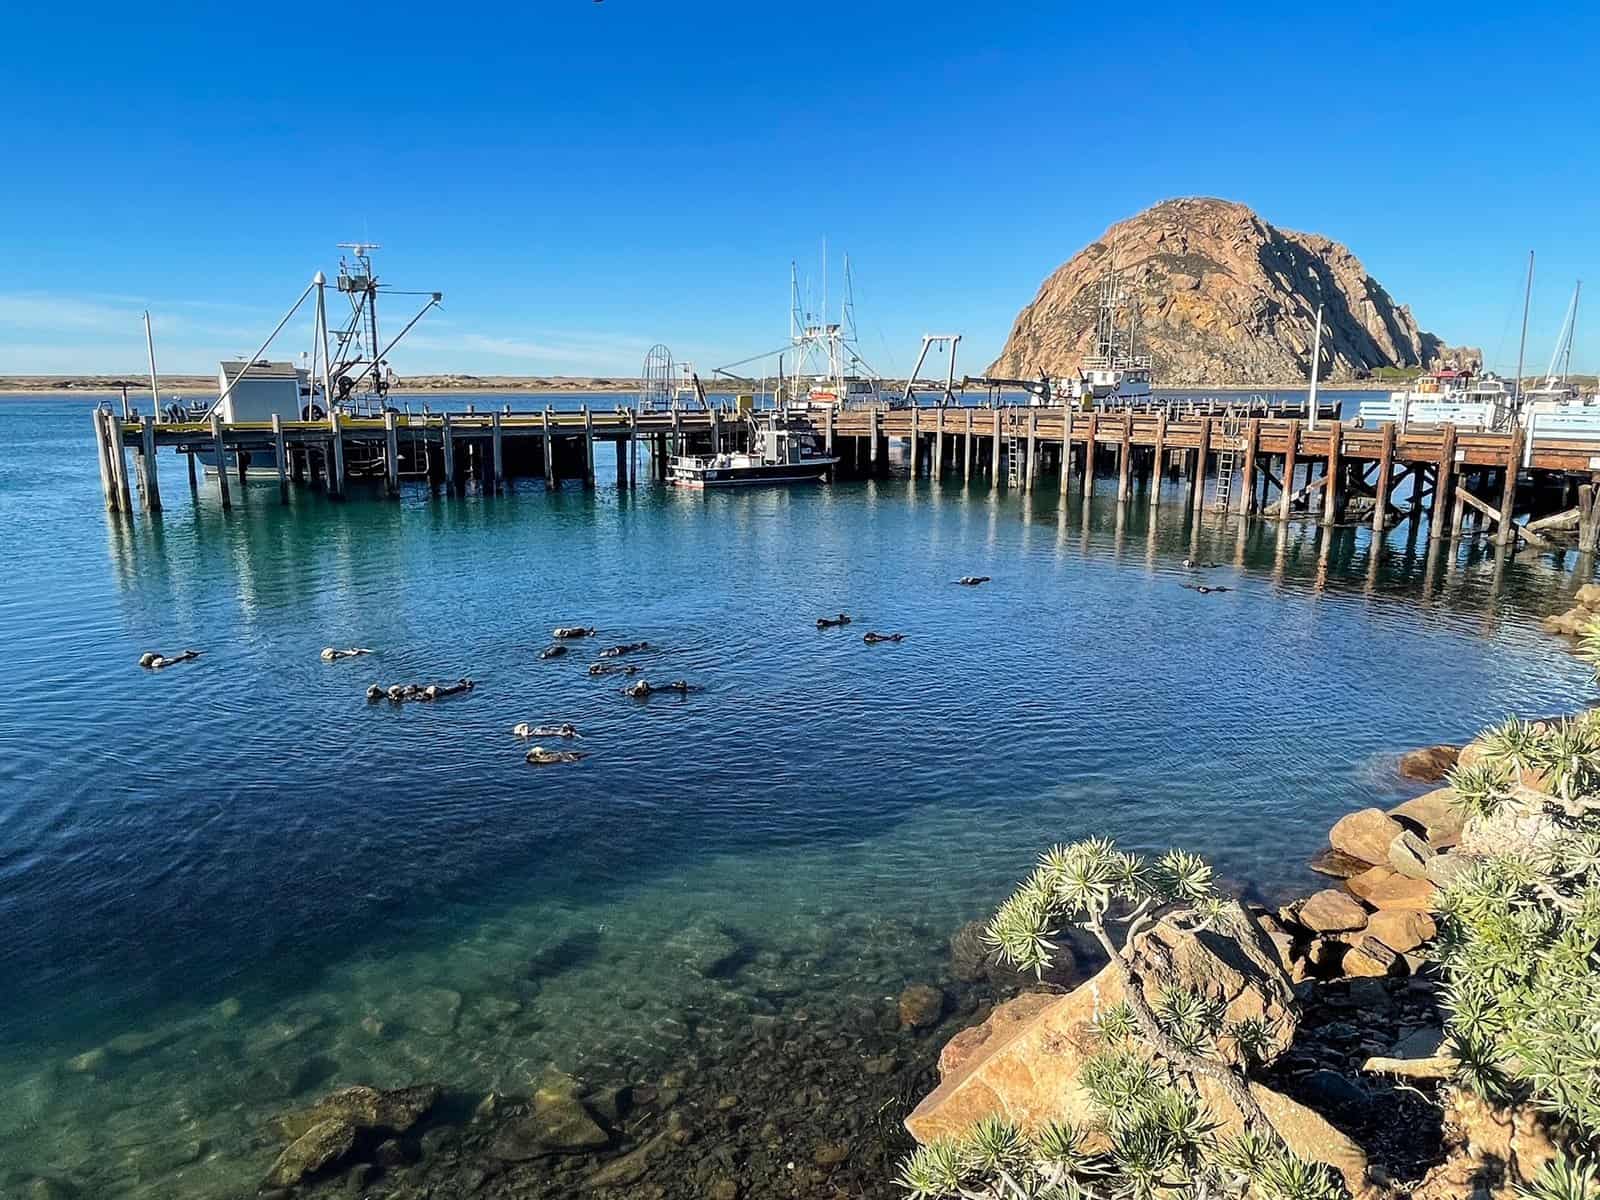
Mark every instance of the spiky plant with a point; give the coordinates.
(1153, 1136)
(1519, 938)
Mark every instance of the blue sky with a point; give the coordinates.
(584, 179)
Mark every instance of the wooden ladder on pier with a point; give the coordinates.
(1013, 451)
(1227, 459)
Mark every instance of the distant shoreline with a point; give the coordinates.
(66, 386)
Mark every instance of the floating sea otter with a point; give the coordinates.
(1203, 589)
(644, 687)
(972, 580)
(1196, 564)
(872, 639)
(572, 631)
(542, 757)
(399, 693)
(625, 648)
(151, 661)
(330, 654)
(598, 669)
(524, 730)
(830, 622)
(555, 651)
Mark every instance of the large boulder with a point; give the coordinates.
(1401, 929)
(1429, 764)
(323, 1143)
(1024, 1060)
(1331, 911)
(557, 1122)
(1365, 835)
(361, 1107)
(1399, 892)
(1435, 813)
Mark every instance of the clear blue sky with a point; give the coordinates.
(583, 179)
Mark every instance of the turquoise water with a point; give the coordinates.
(234, 884)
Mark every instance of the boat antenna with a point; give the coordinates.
(847, 315)
(796, 323)
(1522, 345)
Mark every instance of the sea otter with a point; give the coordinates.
(830, 622)
(972, 580)
(554, 651)
(525, 730)
(330, 654)
(644, 687)
(625, 648)
(872, 639)
(572, 631)
(540, 756)
(152, 661)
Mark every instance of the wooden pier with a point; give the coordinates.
(1272, 467)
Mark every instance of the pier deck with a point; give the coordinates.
(1269, 466)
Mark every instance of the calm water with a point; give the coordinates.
(234, 884)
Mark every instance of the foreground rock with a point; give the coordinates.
(1024, 1060)
(329, 1130)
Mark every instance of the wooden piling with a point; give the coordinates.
(222, 460)
(1064, 484)
(1380, 510)
(336, 474)
(1125, 459)
(1286, 488)
(1088, 452)
(194, 474)
(622, 462)
(1506, 535)
(1033, 449)
(448, 445)
(1333, 492)
(497, 457)
(549, 451)
(1458, 520)
(916, 438)
(1159, 468)
(875, 435)
(1247, 480)
(391, 455)
(966, 469)
(119, 463)
(994, 451)
(1197, 481)
(1443, 476)
(282, 454)
(102, 445)
(827, 437)
(716, 431)
(938, 441)
(588, 447)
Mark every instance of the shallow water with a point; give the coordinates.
(235, 884)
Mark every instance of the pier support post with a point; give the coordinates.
(1458, 520)
(1033, 449)
(588, 446)
(336, 476)
(448, 444)
(1333, 493)
(716, 431)
(1588, 517)
(497, 455)
(966, 469)
(194, 474)
(1197, 482)
(994, 450)
(916, 438)
(119, 463)
(1443, 476)
(828, 437)
(677, 437)
(1125, 458)
(1286, 488)
(938, 442)
(282, 454)
(1380, 510)
(1065, 482)
(1506, 534)
(1088, 451)
(102, 445)
(622, 462)
(872, 436)
(149, 484)
(391, 455)
(549, 451)
(633, 448)
(1247, 492)
(1159, 467)
(222, 460)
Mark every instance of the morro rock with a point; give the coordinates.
(1219, 296)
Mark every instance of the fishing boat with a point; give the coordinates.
(347, 370)
(783, 449)
(1113, 373)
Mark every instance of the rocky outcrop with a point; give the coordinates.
(1221, 296)
(1024, 1060)
(329, 1130)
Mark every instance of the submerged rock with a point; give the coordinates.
(1429, 764)
(314, 1149)
(362, 1107)
(705, 947)
(920, 1006)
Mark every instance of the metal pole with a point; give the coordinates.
(150, 345)
(321, 284)
(1316, 369)
(316, 282)
(1527, 295)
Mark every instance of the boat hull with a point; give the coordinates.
(761, 476)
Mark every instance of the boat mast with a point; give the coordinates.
(1316, 369)
(1563, 351)
(150, 345)
(1522, 345)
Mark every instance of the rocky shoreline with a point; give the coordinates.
(810, 1100)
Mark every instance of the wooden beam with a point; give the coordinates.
(102, 445)
(1247, 496)
(966, 469)
(1033, 449)
(1088, 452)
(938, 440)
(1332, 495)
(222, 459)
(1160, 468)
(1066, 449)
(1292, 446)
(1443, 477)
(1380, 494)
(280, 449)
(916, 438)
(391, 455)
(119, 464)
(1125, 457)
(1508, 493)
(994, 451)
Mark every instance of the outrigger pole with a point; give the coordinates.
(262, 349)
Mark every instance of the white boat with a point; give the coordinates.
(781, 451)
(1113, 373)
